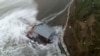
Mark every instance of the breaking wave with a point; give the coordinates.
(16, 18)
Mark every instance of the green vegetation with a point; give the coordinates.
(86, 28)
(83, 8)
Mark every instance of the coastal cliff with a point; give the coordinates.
(82, 35)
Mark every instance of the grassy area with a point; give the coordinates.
(83, 8)
(87, 27)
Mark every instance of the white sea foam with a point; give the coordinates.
(16, 19)
(14, 25)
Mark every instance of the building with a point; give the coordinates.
(44, 33)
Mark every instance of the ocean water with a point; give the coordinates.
(16, 18)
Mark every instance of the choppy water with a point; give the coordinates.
(16, 18)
